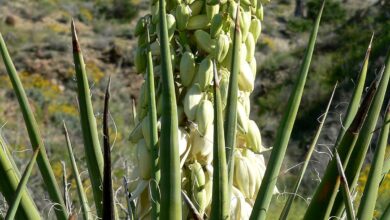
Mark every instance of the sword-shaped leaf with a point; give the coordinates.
(370, 194)
(80, 189)
(153, 133)
(21, 187)
(291, 197)
(220, 199)
(34, 135)
(170, 183)
(268, 183)
(93, 152)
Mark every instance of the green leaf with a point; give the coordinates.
(220, 200)
(231, 102)
(170, 184)
(108, 196)
(153, 131)
(353, 105)
(359, 153)
(321, 203)
(92, 148)
(80, 189)
(291, 197)
(345, 189)
(34, 135)
(21, 187)
(385, 169)
(9, 182)
(268, 183)
(370, 194)
(386, 213)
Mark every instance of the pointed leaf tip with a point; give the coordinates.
(371, 40)
(369, 48)
(323, 5)
(75, 41)
(108, 201)
(108, 88)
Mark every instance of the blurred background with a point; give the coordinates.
(37, 33)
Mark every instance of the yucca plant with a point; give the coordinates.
(199, 155)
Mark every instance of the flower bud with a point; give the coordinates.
(221, 47)
(245, 20)
(211, 11)
(242, 119)
(144, 158)
(187, 68)
(171, 25)
(142, 40)
(204, 76)
(209, 183)
(146, 131)
(239, 208)
(142, 107)
(228, 58)
(243, 52)
(253, 137)
(183, 13)
(143, 204)
(204, 116)
(246, 79)
(224, 85)
(255, 28)
(245, 176)
(191, 101)
(232, 9)
(140, 27)
(198, 22)
(183, 141)
(258, 165)
(253, 5)
(155, 49)
(250, 47)
(202, 146)
(140, 60)
(253, 65)
(196, 7)
(259, 11)
(245, 101)
(245, 3)
(216, 25)
(198, 181)
(203, 40)
(136, 134)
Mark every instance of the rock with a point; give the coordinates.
(10, 20)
